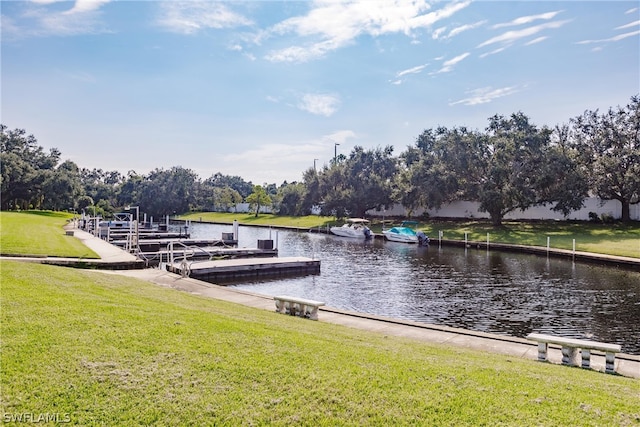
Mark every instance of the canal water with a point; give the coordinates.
(489, 291)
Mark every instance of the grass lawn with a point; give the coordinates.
(104, 349)
(39, 233)
(613, 239)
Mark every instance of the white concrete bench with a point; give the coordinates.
(570, 347)
(297, 306)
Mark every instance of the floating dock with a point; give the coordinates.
(215, 271)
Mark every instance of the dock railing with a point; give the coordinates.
(184, 259)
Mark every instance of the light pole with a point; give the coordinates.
(137, 208)
(335, 153)
(314, 164)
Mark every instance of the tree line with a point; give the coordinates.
(511, 165)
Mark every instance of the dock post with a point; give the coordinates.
(548, 244)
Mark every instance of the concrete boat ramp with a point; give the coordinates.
(215, 271)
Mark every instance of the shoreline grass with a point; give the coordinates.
(612, 239)
(39, 233)
(105, 349)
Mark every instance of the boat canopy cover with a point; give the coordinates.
(357, 220)
(403, 230)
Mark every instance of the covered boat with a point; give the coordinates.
(354, 227)
(406, 234)
(401, 234)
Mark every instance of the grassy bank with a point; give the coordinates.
(39, 233)
(612, 239)
(103, 349)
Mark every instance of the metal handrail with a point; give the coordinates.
(188, 253)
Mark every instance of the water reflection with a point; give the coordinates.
(504, 293)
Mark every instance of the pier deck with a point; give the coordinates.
(213, 271)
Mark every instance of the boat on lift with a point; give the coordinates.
(354, 228)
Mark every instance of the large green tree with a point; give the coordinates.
(101, 186)
(62, 187)
(358, 183)
(512, 165)
(258, 198)
(608, 147)
(235, 182)
(521, 168)
(24, 167)
(291, 199)
(442, 167)
(168, 192)
(226, 198)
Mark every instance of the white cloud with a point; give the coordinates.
(340, 136)
(39, 20)
(83, 6)
(634, 10)
(485, 95)
(528, 19)
(331, 25)
(493, 52)
(629, 25)
(611, 39)
(319, 104)
(80, 76)
(447, 66)
(276, 163)
(414, 70)
(189, 17)
(438, 32)
(535, 41)
(461, 29)
(512, 36)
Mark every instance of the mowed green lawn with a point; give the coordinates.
(103, 349)
(612, 239)
(39, 233)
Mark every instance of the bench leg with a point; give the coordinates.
(313, 315)
(291, 308)
(279, 306)
(610, 367)
(568, 356)
(303, 310)
(542, 351)
(586, 358)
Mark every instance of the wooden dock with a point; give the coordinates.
(215, 271)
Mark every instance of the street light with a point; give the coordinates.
(314, 164)
(335, 152)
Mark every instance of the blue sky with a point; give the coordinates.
(263, 89)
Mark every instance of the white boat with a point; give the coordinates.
(354, 227)
(406, 234)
